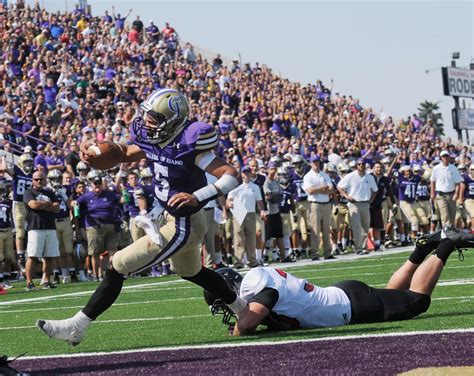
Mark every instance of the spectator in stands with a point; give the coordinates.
(119, 21)
(41, 207)
(40, 159)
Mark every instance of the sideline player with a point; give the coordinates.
(179, 152)
(281, 301)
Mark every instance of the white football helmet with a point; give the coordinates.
(283, 176)
(81, 166)
(55, 178)
(161, 116)
(25, 162)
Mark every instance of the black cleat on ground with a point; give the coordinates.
(460, 239)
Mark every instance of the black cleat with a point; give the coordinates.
(460, 239)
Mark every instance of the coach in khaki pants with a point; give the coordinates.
(249, 195)
(318, 185)
(359, 188)
(445, 184)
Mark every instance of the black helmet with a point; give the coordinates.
(217, 305)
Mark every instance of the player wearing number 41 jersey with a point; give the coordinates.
(407, 190)
(180, 153)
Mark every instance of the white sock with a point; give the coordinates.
(344, 242)
(82, 319)
(237, 306)
(258, 254)
(287, 252)
(64, 272)
(218, 257)
(286, 241)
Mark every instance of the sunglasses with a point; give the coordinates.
(40, 179)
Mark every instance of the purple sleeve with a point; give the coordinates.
(82, 199)
(201, 136)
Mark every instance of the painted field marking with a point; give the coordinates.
(114, 305)
(144, 302)
(248, 344)
(151, 286)
(119, 320)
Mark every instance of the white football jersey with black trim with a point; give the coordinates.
(311, 305)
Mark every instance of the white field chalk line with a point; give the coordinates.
(150, 286)
(247, 344)
(172, 300)
(121, 320)
(115, 304)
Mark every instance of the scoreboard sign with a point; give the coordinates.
(465, 118)
(458, 82)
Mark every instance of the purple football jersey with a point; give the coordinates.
(21, 183)
(407, 188)
(289, 192)
(174, 165)
(297, 180)
(469, 191)
(5, 213)
(423, 191)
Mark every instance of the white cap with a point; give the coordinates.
(443, 153)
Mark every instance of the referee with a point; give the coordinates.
(41, 206)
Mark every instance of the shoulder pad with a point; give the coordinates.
(202, 135)
(254, 282)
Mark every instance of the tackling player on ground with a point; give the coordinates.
(281, 301)
(179, 152)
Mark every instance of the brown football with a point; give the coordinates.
(105, 155)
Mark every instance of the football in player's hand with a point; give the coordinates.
(105, 155)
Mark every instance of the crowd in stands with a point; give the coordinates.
(67, 76)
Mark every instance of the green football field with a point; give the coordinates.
(167, 311)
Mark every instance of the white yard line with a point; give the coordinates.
(153, 285)
(145, 302)
(120, 320)
(41, 309)
(256, 343)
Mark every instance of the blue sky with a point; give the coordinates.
(377, 51)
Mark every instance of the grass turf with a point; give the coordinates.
(167, 311)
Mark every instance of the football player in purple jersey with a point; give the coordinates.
(179, 152)
(407, 189)
(22, 180)
(467, 194)
(6, 236)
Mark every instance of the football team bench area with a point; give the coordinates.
(162, 325)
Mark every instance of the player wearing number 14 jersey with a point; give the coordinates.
(407, 191)
(179, 152)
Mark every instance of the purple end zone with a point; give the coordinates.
(374, 356)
